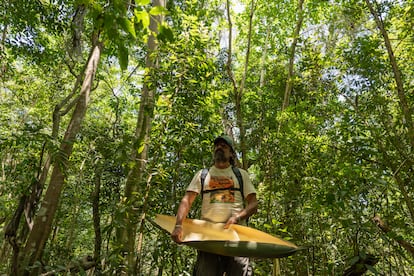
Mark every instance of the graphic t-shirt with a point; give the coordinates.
(222, 198)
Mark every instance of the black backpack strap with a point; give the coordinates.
(237, 173)
(204, 173)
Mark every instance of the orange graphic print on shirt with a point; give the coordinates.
(220, 189)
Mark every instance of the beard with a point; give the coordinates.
(219, 156)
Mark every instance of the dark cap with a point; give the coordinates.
(226, 139)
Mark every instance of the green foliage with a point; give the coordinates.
(337, 156)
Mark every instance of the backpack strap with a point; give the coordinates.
(204, 173)
(236, 172)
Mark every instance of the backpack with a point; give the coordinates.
(236, 172)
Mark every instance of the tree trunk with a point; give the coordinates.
(407, 112)
(238, 90)
(97, 217)
(28, 204)
(263, 60)
(3, 64)
(289, 81)
(42, 226)
(126, 234)
(141, 227)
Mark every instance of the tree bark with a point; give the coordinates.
(238, 90)
(141, 227)
(290, 76)
(406, 110)
(127, 233)
(42, 226)
(28, 204)
(387, 230)
(3, 64)
(264, 58)
(97, 217)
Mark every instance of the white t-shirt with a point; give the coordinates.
(220, 202)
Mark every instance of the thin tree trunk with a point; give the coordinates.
(141, 228)
(387, 230)
(267, 166)
(290, 76)
(238, 90)
(126, 234)
(43, 221)
(97, 218)
(3, 65)
(289, 82)
(264, 58)
(230, 49)
(276, 267)
(407, 111)
(28, 204)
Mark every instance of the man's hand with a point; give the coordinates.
(183, 208)
(232, 220)
(177, 234)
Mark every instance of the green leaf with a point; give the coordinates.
(354, 260)
(142, 2)
(123, 56)
(372, 269)
(45, 3)
(158, 10)
(143, 16)
(283, 230)
(128, 26)
(141, 148)
(165, 33)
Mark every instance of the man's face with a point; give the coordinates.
(222, 152)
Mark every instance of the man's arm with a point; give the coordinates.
(183, 209)
(250, 209)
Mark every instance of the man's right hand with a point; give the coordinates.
(177, 234)
(183, 208)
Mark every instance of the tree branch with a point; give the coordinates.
(388, 230)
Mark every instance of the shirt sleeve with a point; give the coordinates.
(195, 184)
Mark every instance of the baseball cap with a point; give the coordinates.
(226, 139)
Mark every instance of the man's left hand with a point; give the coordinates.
(232, 220)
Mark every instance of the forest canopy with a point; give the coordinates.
(108, 109)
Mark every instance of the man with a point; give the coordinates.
(221, 202)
